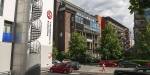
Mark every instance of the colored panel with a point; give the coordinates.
(7, 37)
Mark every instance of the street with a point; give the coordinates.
(77, 73)
(89, 70)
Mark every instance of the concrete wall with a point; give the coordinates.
(5, 56)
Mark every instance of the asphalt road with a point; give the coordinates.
(77, 73)
(90, 70)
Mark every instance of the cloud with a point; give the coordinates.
(118, 9)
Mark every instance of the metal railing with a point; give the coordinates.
(35, 26)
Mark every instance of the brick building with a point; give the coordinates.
(123, 31)
(71, 18)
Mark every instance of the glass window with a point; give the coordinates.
(76, 18)
(81, 20)
(7, 34)
(1, 7)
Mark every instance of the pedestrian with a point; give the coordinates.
(103, 67)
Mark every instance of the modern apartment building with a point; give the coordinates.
(71, 18)
(123, 32)
(30, 47)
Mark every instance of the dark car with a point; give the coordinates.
(128, 64)
(61, 68)
(55, 62)
(136, 71)
(108, 63)
(75, 65)
(143, 69)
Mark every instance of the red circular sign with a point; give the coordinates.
(49, 14)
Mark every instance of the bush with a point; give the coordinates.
(60, 56)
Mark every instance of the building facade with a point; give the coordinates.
(6, 33)
(139, 25)
(123, 32)
(71, 18)
(26, 35)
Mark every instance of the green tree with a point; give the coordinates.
(143, 43)
(138, 5)
(60, 56)
(55, 52)
(110, 44)
(77, 47)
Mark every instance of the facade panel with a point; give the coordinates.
(9, 10)
(1, 28)
(5, 56)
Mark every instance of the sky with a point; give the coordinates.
(117, 9)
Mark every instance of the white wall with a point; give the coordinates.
(46, 40)
(5, 56)
(9, 10)
(5, 48)
(1, 28)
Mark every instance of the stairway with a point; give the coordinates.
(35, 26)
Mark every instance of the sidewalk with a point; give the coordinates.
(97, 69)
(44, 70)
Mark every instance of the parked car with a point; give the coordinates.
(55, 62)
(75, 65)
(147, 64)
(143, 69)
(66, 61)
(61, 68)
(108, 63)
(128, 64)
(136, 71)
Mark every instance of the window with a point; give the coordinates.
(76, 18)
(7, 34)
(1, 7)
